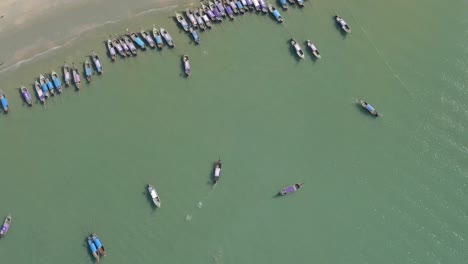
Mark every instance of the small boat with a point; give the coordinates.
(121, 49)
(26, 96)
(5, 226)
(186, 62)
(198, 17)
(275, 13)
(313, 49)
(298, 49)
(284, 4)
(76, 77)
(44, 86)
(217, 171)
(183, 23)
(138, 40)
(110, 47)
(264, 6)
(250, 4)
(93, 248)
(148, 39)
(158, 38)
(167, 38)
(240, 6)
(292, 2)
(257, 6)
(50, 86)
(191, 17)
(369, 108)
(219, 16)
(40, 93)
(97, 242)
(205, 18)
(56, 80)
(343, 24)
(291, 189)
(233, 6)
(131, 46)
(97, 63)
(4, 102)
(195, 36)
(154, 195)
(229, 12)
(220, 7)
(87, 67)
(209, 12)
(300, 3)
(66, 74)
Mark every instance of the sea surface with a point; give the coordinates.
(391, 189)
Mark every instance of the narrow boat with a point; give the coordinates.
(39, 92)
(217, 171)
(205, 18)
(298, 49)
(97, 242)
(183, 23)
(4, 102)
(185, 60)
(263, 6)
(240, 6)
(154, 195)
(250, 4)
(343, 24)
(284, 4)
(191, 17)
(209, 12)
(131, 46)
(219, 16)
(257, 6)
(88, 72)
(138, 40)
(232, 5)
(229, 12)
(122, 50)
(220, 7)
(26, 96)
(291, 189)
(300, 3)
(93, 248)
(198, 17)
(44, 86)
(195, 36)
(275, 13)
(5, 226)
(50, 86)
(313, 49)
(158, 38)
(76, 77)
(56, 80)
(66, 74)
(148, 39)
(167, 38)
(97, 63)
(292, 2)
(369, 108)
(111, 49)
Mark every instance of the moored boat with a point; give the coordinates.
(4, 102)
(300, 3)
(185, 60)
(209, 12)
(220, 7)
(250, 4)
(291, 189)
(154, 195)
(5, 226)
(111, 49)
(44, 88)
(56, 80)
(240, 6)
(76, 77)
(275, 13)
(158, 38)
(217, 171)
(191, 17)
(148, 39)
(183, 23)
(292, 2)
(263, 6)
(298, 49)
(93, 248)
(205, 18)
(198, 17)
(26, 96)
(131, 46)
(66, 74)
(233, 6)
(257, 6)
(97, 242)
(167, 37)
(50, 86)
(138, 41)
(214, 9)
(122, 50)
(313, 49)
(369, 108)
(284, 4)
(229, 12)
(97, 63)
(195, 36)
(343, 24)
(39, 92)
(88, 72)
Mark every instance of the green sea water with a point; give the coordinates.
(385, 190)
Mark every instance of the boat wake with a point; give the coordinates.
(19, 63)
(165, 8)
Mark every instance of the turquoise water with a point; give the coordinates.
(385, 190)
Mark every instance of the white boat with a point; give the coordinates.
(154, 195)
(313, 49)
(298, 49)
(343, 24)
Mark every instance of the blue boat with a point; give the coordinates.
(26, 96)
(138, 41)
(44, 86)
(240, 6)
(369, 108)
(157, 36)
(195, 36)
(93, 248)
(284, 4)
(50, 86)
(88, 72)
(4, 102)
(183, 23)
(275, 13)
(57, 83)
(99, 245)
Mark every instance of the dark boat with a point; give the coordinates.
(131, 46)
(122, 50)
(167, 38)
(186, 62)
(369, 108)
(217, 171)
(291, 189)
(148, 39)
(111, 49)
(343, 24)
(97, 242)
(97, 63)
(195, 36)
(4, 102)
(158, 38)
(26, 96)
(292, 2)
(183, 23)
(76, 77)
(66, 74)
(93, 248)
(87, 67)
(5, 226)
(138, 41)
(39, 92)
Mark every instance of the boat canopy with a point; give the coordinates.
(57, 82)
(4, 102)
(139, 42)
(153, 194)
(276, 14)
(283, 2)
(92, 246)
(370, 108)
(97, 242)
(158, 39)
(217, 172)
(88, 71)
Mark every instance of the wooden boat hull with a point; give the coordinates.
(76, 78)
(26, 96)
(39, 92)
(167, 37)
(313, 49)
(97, 63)
(111, 49)
(66, 75)
(148, 39)
(6, 226)
(290, 189)
(56, 81)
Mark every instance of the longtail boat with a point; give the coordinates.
(5, 226)
(158, 38)
(66, 74)
(97, 63)
(56, 80)
(154, 195)
(148, 38)
(76, 77)
(120, 49)
(87, 68)
(39, 92)
(167, 38)
(4, 102)
(183, 23)
(111, 49)
(369, 108)
(130, 44)
(93, 248)
(44, 86)
(26, 95)
(186, 61)
(98, 244)
(138, 41)
(291, 189)
(343, 24)
(298, 49)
